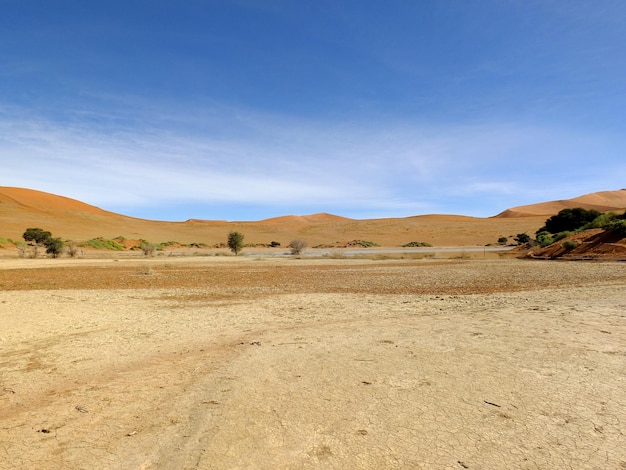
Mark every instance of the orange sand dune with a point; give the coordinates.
(601, 201)
(74, 220)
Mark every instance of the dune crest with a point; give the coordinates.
(601, 201)
(70, 219)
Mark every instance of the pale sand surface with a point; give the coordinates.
(228, 363)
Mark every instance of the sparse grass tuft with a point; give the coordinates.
(101, 243)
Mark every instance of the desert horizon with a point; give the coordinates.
(70, 219)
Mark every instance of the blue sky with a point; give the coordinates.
(245, 110)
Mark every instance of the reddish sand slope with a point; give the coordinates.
(71, 219)
(601, 201)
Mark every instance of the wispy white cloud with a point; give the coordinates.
(361, 168)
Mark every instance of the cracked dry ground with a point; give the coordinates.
(282, 363)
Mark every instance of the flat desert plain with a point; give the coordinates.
(238, 363)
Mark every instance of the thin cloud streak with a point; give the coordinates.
(356, 169)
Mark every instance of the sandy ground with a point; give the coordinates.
(228, 363)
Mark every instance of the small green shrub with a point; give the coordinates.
(561, 235)
(503, 240)
(362, 243)
(618, 226)
(601, 221)
(101, 243)
(198, 245)
(416, 244)
(544, 239)
(569, 245)
(54, 246)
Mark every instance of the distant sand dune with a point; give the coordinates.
(71, 219)
(600, 201)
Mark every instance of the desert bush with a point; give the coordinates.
(561, 235)
(544, 239)
(600, 222)
(37, 236)
(147, 248)
(362, 243)
(73, 249)
(235, 242)
(416, 244)
(618, 226)
(569, 219)
(569, 244)
(522, 238)
(6, 241)
(198, 245)
(22, 251)
(274, 244)
(54, 246)
(101, 243)
(503, 240)
(297, 246)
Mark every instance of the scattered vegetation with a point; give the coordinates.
(609, 228)
(164, 245)
(235, 242)
(101, 243)
(503, 240)
(577, 220)
(561, 235)
(297, 246)
(54, 246)
(147, 248)
(73, 249)
(199, 245)
(274, 244)
(522, 238)
(7, 241)
(569, 220)
(544, 238)
(618, 226)
(416, 244)
(38, 237)
(569, 245)
(362, 243)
